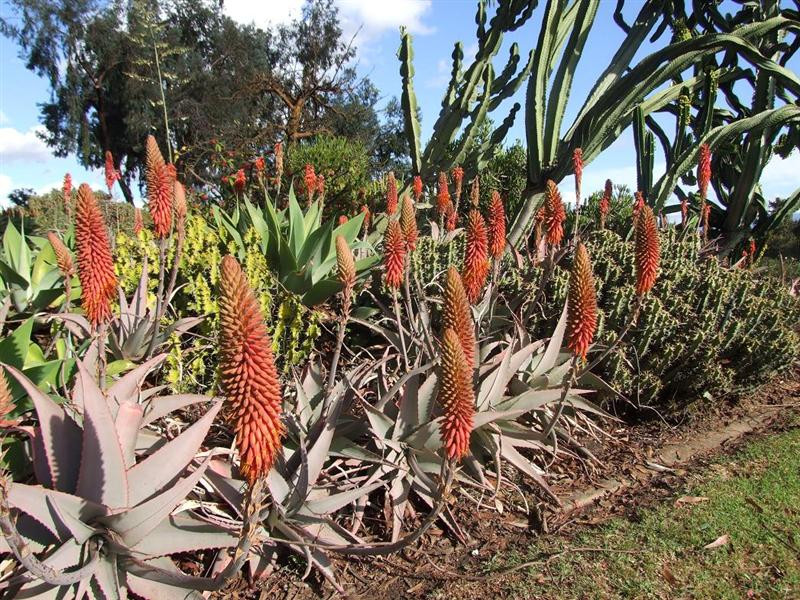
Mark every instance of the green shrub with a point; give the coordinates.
(345, 165)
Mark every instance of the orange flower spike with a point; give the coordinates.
(475, 192)
(605, 203)
(310, 180)
(239, 181)
(95, 264)
(63, 256)
(451, 218)
(391, 194)
(443, 195)
(7, 405)
(704, 170)
(278, 150)
(247, 373)
(417, 186)
(179, 196)
(321, 185)
(394, 253)
(346, 271)
(138, 222)
(648, 251)
(456, 397)
(458, 178)
(554, 214)
(367, 217)
(497, 226)
(111, 173)
(581, 304)
(159, 189)
(66, 190)
(408, 223)
(638, 203)
(476, 256)
(457, 314)
(577, 167)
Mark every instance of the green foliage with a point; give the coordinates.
(704, 330)
(505, 172)
(345, 165)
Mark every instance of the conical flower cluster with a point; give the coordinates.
(638, 203)
(95, 265)
(451, 219)
(239, 181)
(179, 195)
(457, 314)
(66, 191)
(704, 170)
(321, 185)
(577, 167)
(554, 214)
(6, 402)
(391, 194)
(310, 181)
(247, 373)
(475, 192)
(278, 162)
(345, 271)
(417, 187)
(684, 211)
(394, 254)
(63, 256)
(408, 222)
(648, 251)
(458, 180)
(111, 173)
(476, 256)
(581, 304)
(605, 203)
(497, 226)
(443, 202)
(456, 397)
(367, 217)
(138, 222)
(159, 189)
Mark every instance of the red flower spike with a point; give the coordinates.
(111, 173)
(456, 397)
(394, 254)
(417, 186)
(554, 214)
(159, 189)
(581, 304)
(66, 191)
(476, 256)
(638, 203)
(408, 223)
(577, 167)
(391, 194)
(239, 181)
(648, 251)
(451, 217)
(247, 373)
(475, 192)
(95, 264)
(321, 185)
(704, 170)
(497, 226)
(278, 150)
(367, 218)
(138, 222)
(457, 314)
(310, 180)
(458, 178)
(443, 195)
(259, 165)
(605, 203)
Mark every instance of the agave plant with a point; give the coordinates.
(108, 506)
(29, 279)
(299, 246)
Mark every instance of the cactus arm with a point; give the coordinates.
(479, 114)
(643, 141)
(455, 77)
(409, 100)
(511, 88)
(536, 97)
(502, 80)
(562, 84)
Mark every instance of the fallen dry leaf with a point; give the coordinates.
(720, 541)
(668, 576)
(690, 500)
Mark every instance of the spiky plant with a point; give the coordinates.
(456, 397)
(247, 373)
(408, 223)
(497, 226)
(394, 253)
(475, 192)
(458, 180)
(95, 265)
(554, 214)
(105, 494)
(647, 250)
(159, 188)
(310, 181)
(577, 168)
(457, 314)
(581, 304)
(66, 191)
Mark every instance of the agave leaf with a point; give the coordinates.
(494, 385)
(334, 502)
(60, 438)
(161, 406)
(169, 461)
(548, 359)
(407, 417)
(586, 405)
(103, 476)
(128, 422)
(37, 502)
(425, 398)
(125, 388)
(133, 525)
(184, 533)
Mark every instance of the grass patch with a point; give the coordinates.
(752, 497)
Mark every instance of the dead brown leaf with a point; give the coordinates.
(690, 500)
(720, 541)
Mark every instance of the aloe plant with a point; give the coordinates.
(108, 505)
(300, 247)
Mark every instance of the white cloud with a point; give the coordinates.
(27, 146)
(3, 118)
(377, 17)
(6, 185)
(263, 14)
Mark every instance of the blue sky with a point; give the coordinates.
(25, 161)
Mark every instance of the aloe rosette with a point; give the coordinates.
(109, 502)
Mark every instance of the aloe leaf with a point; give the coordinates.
(184, 533)
(77, 528)
(60, 437)
(144, 584)
(14, 348)
(136, 523)
(297, 228)
(125, 389)
(68, 554)
(16, 247)
(102, 477)
(381, 424)
(107, 577)
(334, 502)
(127, 422)
(152, 474)
(220, 476)
(161, 406)
(37, 502)
(535, 399)
(548, 359)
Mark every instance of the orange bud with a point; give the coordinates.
(391, 194)
(63, 256)
(605, 203)
(179, 194)
(394, 254)
(408, 222)
(417, 186)
(554, 214)
(345, 264)
(159, 189)
(443, 196)
(704, 170)
(457, 314)
(647, 251)
(247, 373)
(497, 226)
